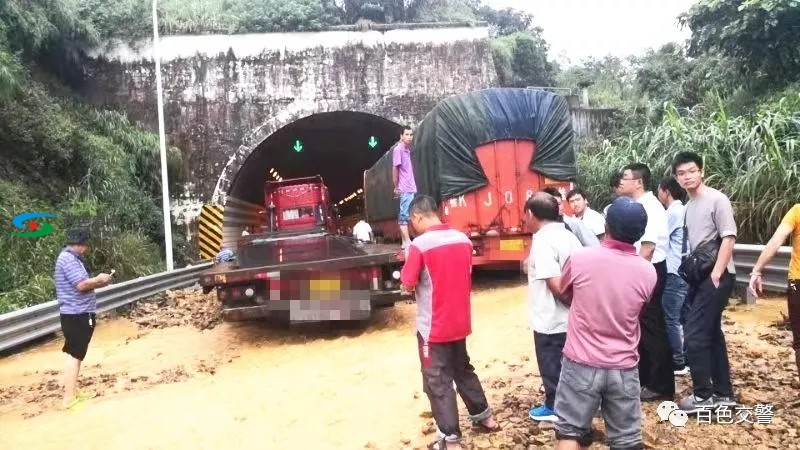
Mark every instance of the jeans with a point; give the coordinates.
(405, 202)
(672, 301)
(706, 350)
(581, 390)
(549, 349)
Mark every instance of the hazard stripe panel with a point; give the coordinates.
(209, 231)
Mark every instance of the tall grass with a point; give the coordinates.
(754, 159)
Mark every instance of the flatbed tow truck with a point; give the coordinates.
(295, 268)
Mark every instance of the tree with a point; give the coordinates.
(761, 37)
(530, 64)
(503, 22)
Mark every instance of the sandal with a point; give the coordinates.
(481, 428)
(86, 395)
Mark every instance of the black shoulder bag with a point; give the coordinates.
(697, 266)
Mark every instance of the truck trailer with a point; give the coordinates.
(295, 268)
(481, 155)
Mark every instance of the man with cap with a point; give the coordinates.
(77, 304)
(603, 331)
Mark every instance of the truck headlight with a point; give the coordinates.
(396, 274)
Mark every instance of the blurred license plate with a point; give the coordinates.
(325, 285)
(511, 244)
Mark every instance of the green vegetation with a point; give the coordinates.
(64, 158)
(732, 95)
(753, 158)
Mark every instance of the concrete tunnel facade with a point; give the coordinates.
(337, 145)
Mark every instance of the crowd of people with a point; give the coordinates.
(620, 303)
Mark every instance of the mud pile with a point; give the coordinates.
(765, 383)
(178, 308)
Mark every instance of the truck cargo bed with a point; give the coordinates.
(328, 252)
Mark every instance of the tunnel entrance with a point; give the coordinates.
(338, 146)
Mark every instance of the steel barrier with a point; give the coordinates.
(25, 325)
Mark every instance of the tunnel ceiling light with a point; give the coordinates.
(271, 170)
(359, 191)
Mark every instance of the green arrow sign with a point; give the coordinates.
(372, 142)
(298, 146)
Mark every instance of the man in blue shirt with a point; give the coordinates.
(77, 304)
(671, 195)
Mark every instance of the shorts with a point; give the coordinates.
(405, 203)
(78, 330)
(581, 391)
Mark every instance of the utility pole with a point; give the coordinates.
(163, 143)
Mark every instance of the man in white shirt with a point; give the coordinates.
(551, 246)
(573, 224)
(362, 231)
(579, 202)
(656, 369)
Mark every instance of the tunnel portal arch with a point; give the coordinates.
(338, 145)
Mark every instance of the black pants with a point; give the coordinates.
(706, 350)
(656, 368)
(442, 364)
(549, 349)
(793, 302)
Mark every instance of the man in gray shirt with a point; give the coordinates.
(709, 216)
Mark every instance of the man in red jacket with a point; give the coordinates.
(439, 269)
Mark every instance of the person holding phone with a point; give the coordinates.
(77, 304)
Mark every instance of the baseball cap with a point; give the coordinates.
(78, 236)
(626, 220)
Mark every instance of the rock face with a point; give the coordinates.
(223, 95)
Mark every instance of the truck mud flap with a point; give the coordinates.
(383, 299)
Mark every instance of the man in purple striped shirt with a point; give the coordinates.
(77, 304)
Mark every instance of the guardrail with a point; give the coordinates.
(774, 275)
(25, 325)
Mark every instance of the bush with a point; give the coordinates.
(754, 159)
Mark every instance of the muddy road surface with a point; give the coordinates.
(170, 375)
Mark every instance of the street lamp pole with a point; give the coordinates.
(163, 143)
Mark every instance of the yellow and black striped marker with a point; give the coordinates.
(209, 231)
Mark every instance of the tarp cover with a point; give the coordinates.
(443, 151)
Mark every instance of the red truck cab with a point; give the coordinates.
(296, 268)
